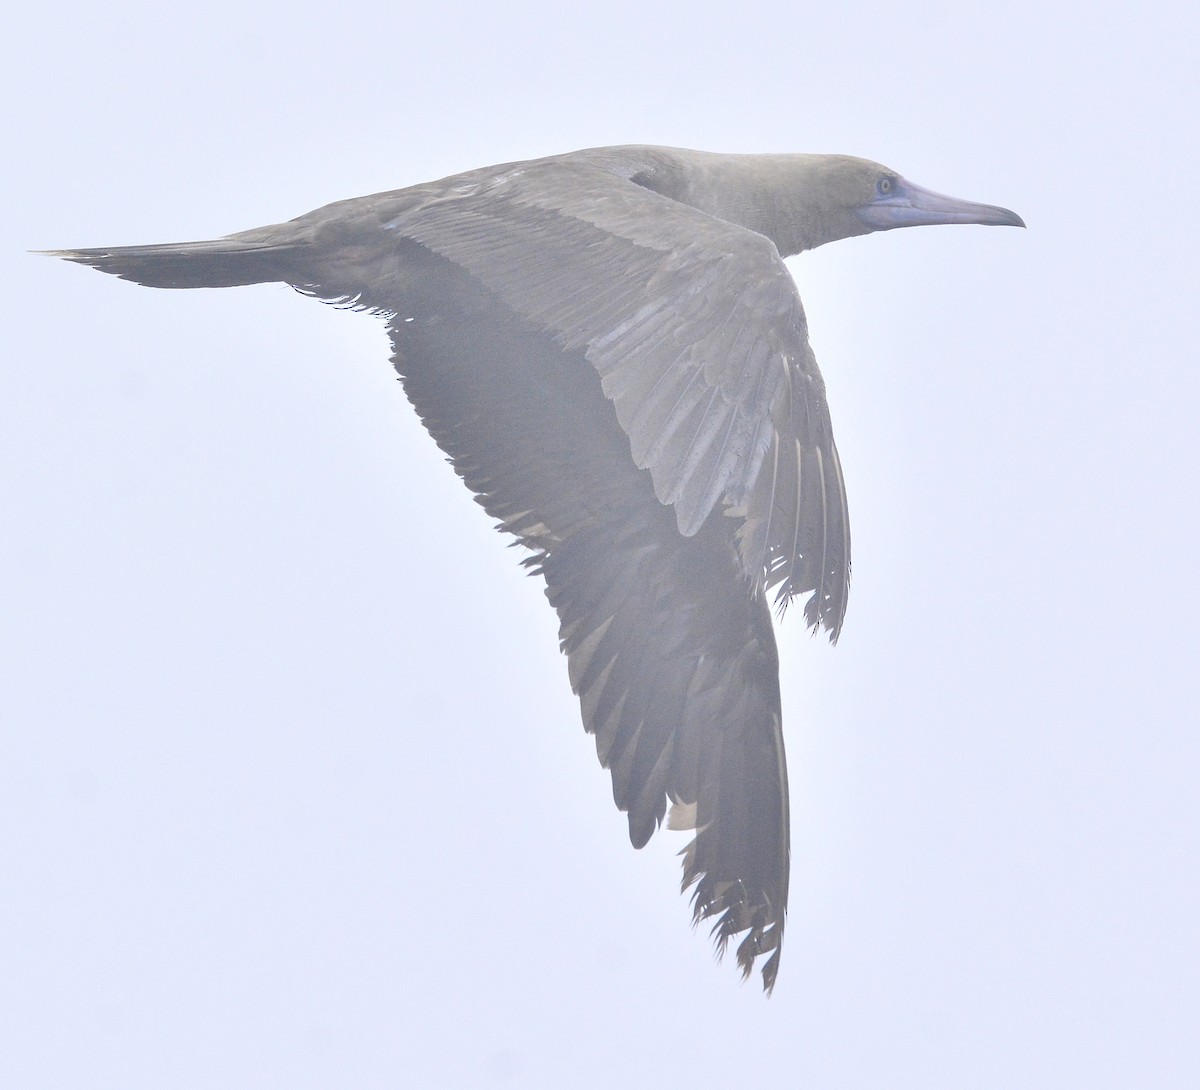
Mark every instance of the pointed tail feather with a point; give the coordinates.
(219, 263)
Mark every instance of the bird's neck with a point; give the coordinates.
(779, 196)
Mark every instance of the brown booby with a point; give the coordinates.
(610, 350)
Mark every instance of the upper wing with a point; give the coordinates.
(699, 337)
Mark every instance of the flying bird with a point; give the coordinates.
(610, 350)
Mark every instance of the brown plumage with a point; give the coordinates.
(610, 349)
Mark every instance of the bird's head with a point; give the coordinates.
(844, 196)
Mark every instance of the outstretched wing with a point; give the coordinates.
(700, 339)
(672, 657)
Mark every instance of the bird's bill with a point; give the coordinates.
(909, 205)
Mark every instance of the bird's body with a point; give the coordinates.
(610, 350)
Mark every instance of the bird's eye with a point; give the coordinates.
(884, 186)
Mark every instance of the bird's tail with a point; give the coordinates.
(219, 263)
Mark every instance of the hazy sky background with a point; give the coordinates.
(293, 789)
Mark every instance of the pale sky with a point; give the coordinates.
(293, 790)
